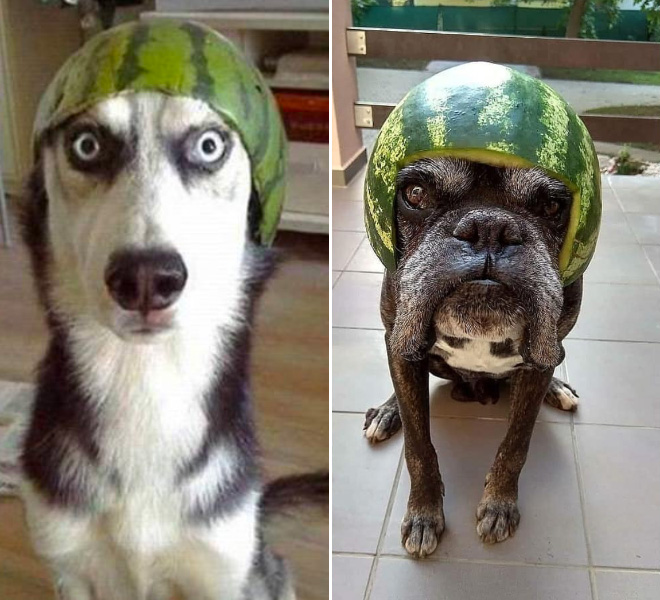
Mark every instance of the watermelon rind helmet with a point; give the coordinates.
(495, 115)
(178, 59)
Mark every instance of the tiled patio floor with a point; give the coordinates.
(590, 492)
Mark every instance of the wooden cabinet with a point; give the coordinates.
(34, 41)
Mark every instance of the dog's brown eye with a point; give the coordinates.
(415, 195)
(551, 208)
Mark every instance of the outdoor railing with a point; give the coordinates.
(537, 51)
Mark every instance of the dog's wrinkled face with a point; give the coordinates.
(147, 215)
(479, 252)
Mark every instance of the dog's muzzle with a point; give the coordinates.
(145, 280)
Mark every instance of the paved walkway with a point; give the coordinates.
(391, 85)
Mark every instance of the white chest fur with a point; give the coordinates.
(477, 355)
(496, 354)
(150, 422)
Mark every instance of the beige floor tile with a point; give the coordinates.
(347, 216)
(627, 585)
(653, 255)
(356, 301)
(640, 200)
(349, 577)
(618, 382)
(619, 468)
(362, 480)
(403, 579)
(610, 201)
(620, 263)
(365, 260)
(625, 182)
(360, 375)
(614, 229)
(344, 246)
(619, 312)
(645, 227)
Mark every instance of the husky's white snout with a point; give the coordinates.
(145, 284)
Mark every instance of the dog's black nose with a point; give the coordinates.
(487, 229)
(145, 279)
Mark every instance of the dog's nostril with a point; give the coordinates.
(510, 235)
(145, 280)
(466, 231)
(167, 288)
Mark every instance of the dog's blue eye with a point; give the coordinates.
(86, 146)
(209, 148)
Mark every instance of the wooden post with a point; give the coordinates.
(348, 153)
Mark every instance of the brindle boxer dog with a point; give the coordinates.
(477, 298)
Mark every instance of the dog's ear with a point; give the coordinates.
(541, 346)
(254, 216)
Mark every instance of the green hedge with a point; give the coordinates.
(632, 24)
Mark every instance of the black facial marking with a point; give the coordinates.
(254, 217)
(182, 153)
(503, 349)
(115, 153)
(455, 342)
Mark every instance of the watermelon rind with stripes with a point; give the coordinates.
(495, 115)
(178, 59)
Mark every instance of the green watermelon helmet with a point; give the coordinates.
(178, 59)
(491, 114)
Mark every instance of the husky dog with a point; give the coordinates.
(140, 461)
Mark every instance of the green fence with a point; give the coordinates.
(512, 20)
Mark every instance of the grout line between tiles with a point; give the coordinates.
(383, 530)
(352, 256)
(580, 482)
(616, 197)
(362, 328)
(502, 563)
(580, 339)
(504, 418)
(373, 272)
(650, 262)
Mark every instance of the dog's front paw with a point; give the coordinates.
(420, 533)
(382, 423)
(497, 519)
(561, 395)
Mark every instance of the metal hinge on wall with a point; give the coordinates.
(356, 42)
(364, 116)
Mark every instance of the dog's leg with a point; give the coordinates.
(424, 520)
(484, 391)
(497, 513)
(383, 422)
(215, 558)
(561, 395)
